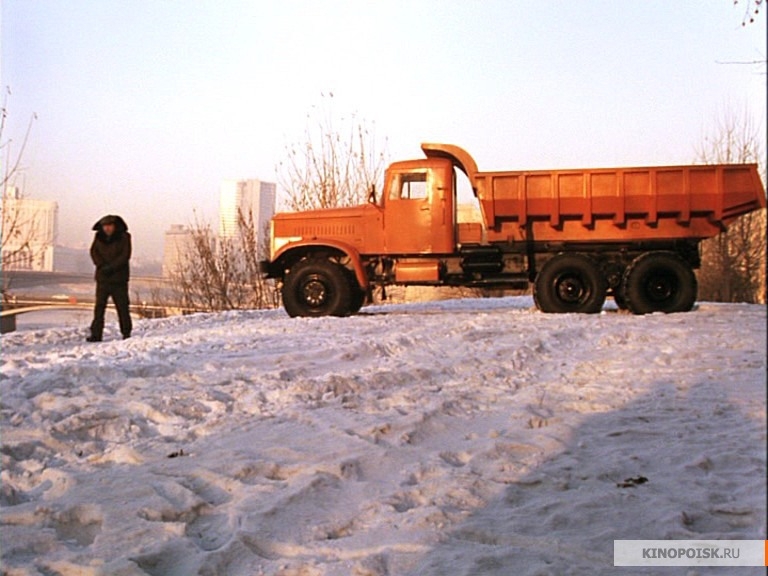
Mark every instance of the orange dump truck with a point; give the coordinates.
(577, 235)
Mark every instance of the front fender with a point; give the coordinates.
(294, 251)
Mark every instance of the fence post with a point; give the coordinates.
(7, 323)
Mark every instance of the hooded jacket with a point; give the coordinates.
(111, 254)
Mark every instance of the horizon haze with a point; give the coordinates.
(144, 108)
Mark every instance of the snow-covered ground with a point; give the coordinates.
(458, 437)
(45, 319)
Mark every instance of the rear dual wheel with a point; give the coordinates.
(570, 283)
(659, 282)
(619, 298)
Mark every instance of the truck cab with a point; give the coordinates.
(393, 238)
(418, 207)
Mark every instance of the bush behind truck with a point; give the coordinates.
(576, 235)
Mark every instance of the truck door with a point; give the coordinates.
(419, 213)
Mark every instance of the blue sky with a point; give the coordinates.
(144, 106)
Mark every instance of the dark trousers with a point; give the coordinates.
(119, 294)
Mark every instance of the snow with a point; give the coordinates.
(43, 319)
(473, 436)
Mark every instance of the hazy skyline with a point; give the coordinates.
(144, 107)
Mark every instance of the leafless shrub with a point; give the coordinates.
(218, 273)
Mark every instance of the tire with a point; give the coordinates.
(570, 283)
(659, 282)
(619, 298)
(356, 294)
(316, 287)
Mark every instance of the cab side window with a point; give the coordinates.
(409, 186)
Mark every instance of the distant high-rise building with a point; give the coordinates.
(178, 245)
(245, 196)
(30, 228)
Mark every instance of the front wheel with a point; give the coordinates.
(570, 283)
(659, 282)
(356, 294)
(316, 287)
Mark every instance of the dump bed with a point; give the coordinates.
(613, 204)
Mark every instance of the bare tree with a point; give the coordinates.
(751, 10)
(19, 222)
(734, 263)
(222, 273)
(12, 162)
(332, 166)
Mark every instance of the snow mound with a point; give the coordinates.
(472, 436)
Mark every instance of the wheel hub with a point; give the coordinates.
(314, 292)
(660, 288)
(570, 289)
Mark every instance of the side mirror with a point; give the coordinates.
(372, 194)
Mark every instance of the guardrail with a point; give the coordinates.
(10, 310)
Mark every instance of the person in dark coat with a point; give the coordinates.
(111, 253)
